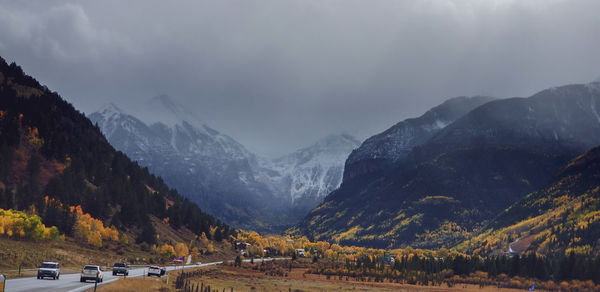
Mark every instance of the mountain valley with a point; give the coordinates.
(220, 174)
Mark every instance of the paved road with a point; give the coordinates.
(70, 282)
(510, 247)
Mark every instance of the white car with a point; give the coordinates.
(154, 271)
(49, 269)
(90, 272)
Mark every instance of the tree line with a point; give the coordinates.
(418, 270)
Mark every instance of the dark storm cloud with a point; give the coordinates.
(277, 75)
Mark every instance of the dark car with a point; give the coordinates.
(120, 269)
(49, 269)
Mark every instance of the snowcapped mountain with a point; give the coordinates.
(220, 174)
(395, 143)
(128, 134)
(311, 173)
(208, 167)
(316, 170)
(189, 135)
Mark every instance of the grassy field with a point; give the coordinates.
(251, 278)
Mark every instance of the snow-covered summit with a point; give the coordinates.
(111, 118)
(307, 175)
(164, 109)
(110, 109)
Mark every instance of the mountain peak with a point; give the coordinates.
(166, 102)
(110, 108)
(164, 109)
(110, 111)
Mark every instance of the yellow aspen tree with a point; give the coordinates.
(167, 250)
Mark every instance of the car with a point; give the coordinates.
(154, 271)
(163, 271)
(120, 268)
(91, 272)
(49, 269)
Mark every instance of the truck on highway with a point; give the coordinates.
(49, 269)
(120, 268)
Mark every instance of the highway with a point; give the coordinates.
(70, 282)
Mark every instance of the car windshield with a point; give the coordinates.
(90, 268)
(121, 265)
(49, 266)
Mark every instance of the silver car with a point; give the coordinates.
(90, 272)
(155, 270)
(49, 269)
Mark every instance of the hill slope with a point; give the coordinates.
(465, 174)
(561, 218)
(47, 148)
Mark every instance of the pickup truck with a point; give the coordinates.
(120, 268)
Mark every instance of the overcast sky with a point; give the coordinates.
(278, 75)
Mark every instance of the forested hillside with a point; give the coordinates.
(446, 189)
(48, 148)
(561, 219)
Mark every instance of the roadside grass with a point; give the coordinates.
(70, 254)
(146, 284)
(73, 255)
